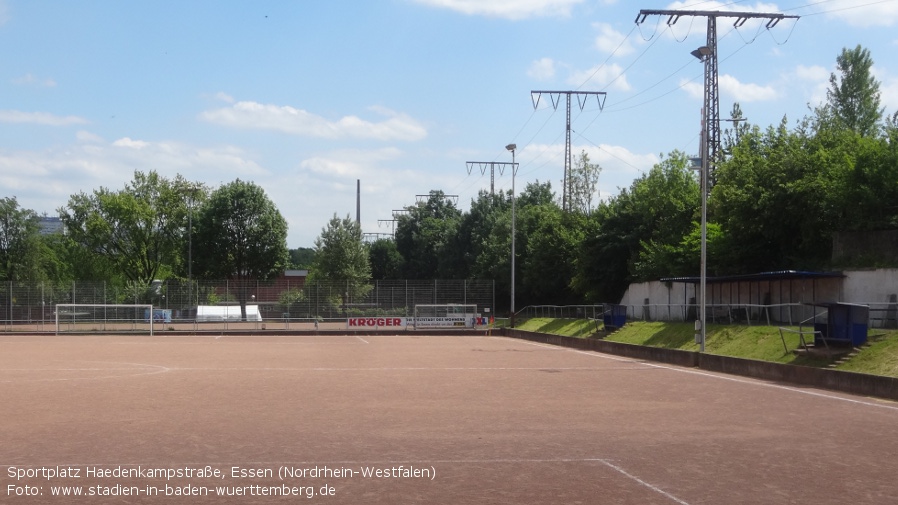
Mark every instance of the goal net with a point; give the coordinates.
(88, 317)
(447, 315)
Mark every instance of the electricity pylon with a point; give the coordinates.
(555, 98)
(708, 55)
(492, 166)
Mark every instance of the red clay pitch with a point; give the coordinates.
(417, 419)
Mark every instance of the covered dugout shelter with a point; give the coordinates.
(841, 324)
(785, 296)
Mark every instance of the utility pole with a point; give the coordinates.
(555, 98)
(710, 124)
(492, 166)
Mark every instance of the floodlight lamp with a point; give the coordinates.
(511, 147)
(701, 52)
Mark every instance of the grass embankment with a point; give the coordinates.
(878, 357)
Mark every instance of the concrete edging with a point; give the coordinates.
(833, 380)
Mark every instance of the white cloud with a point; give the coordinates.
(30, 79)
(542, 69)
(254, 115)
(888, 88)
(733, 88)
(889, 95)
(864, 15)
(693, 88)
(41, 118)
(814, 80)
(601, 77)
(44, 180)
(224, 97)
(610, 40)
(88, 137)
(350, 163)
(508, 9)
(133, 144)
(745, 92)
(812, 73)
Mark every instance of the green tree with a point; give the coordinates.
(853, 94)
(139, 229)
(777, 198)
(341, 255)
(426, 238)
(20, 246)
(302, 257)
(240, 234)
(551, 241)
(543, 243)
(68, 261)
(739, 127)
(583, 183)
(537, 193)
(386, 262)
(659, 207)
(478, 229)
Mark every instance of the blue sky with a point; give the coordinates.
(306, 97)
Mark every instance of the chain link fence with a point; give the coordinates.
(280, 302)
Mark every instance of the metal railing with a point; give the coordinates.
(882, 314)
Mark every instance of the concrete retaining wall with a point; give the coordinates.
(834, 380)
(669, 356)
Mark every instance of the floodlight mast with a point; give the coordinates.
(512, 148)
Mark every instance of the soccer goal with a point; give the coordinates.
(446, 315)
(90, 317)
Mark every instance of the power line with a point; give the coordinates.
(607, 59)
(840, 9)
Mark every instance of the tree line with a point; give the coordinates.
(779, 194)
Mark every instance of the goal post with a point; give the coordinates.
(447, 315)
(99, 317)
